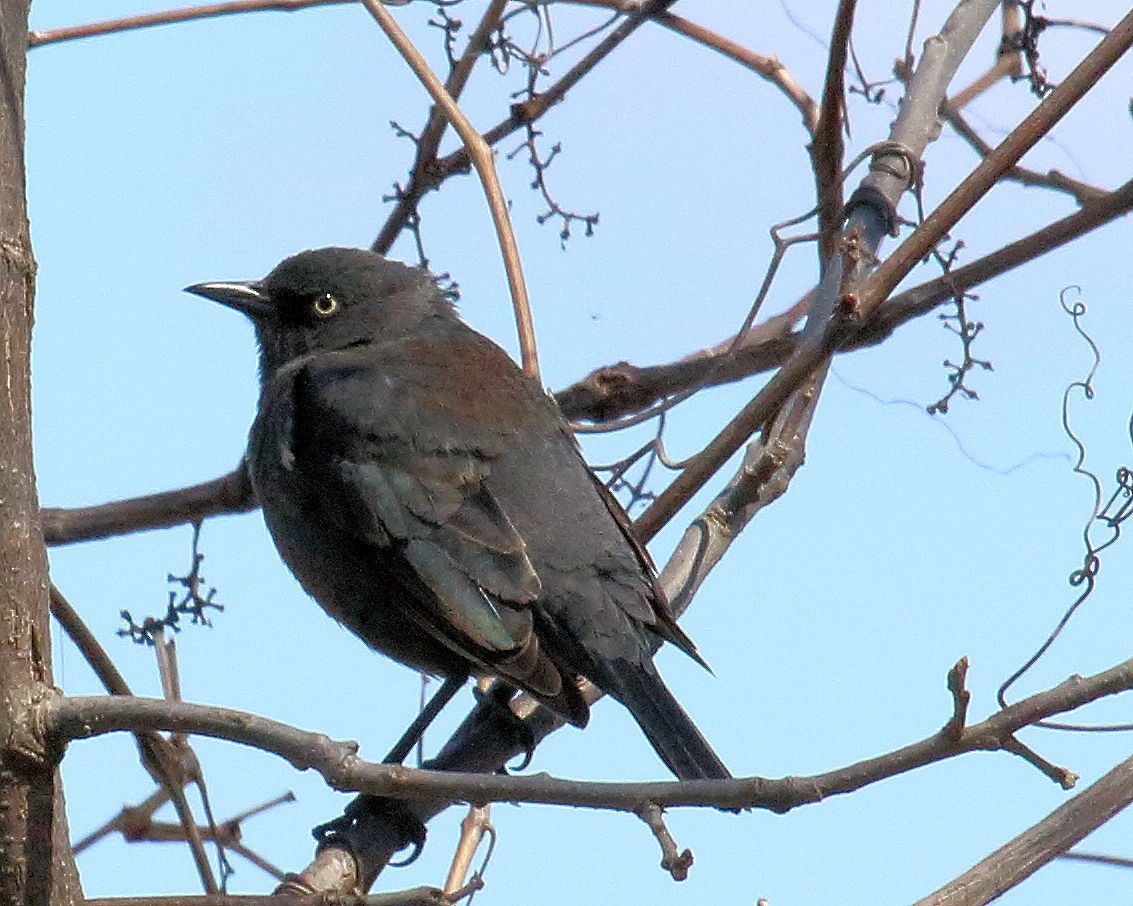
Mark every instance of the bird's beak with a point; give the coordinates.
(249, 298)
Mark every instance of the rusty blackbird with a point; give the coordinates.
(433, 500)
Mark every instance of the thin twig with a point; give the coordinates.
(961, 698)
(1059, 182)
(169, 17)
(768, 67)
(476, 825)
(675, 862)
(480, 153)
(531, 110)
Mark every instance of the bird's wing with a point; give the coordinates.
(659, 618)
(400, 467)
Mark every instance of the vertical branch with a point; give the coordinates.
(827, 147)
(35, 859)
(481, 156)
(420, 178)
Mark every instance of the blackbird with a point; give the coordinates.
(432, 498)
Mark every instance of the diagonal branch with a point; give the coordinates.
(1017, 860)
(1059, 182)
(165, 761)
(421, 178)
(529, 111)
(992, 168)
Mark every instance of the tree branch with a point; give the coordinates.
(827, 148)
(61, 719)
(480, 154)
(1017, 860)
(231, 493)
(168, 17)
(421, 176)
(1001, 159)
(530, 111)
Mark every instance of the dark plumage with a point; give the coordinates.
(432, 499)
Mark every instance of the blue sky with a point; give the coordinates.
(211, 150)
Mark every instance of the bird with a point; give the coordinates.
(432, 498)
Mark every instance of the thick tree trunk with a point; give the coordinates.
(36, 866)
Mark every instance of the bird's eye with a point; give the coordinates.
(325, 305)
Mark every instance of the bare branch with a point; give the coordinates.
(766, 472)
(1050, 838)
(63, 718)
(416, 896)
(168, 17)
(1059, 182)
(480, 154)
(871, 218)
(769, 67)
(921, 299)
(421, 177)
(1008, 58)
(476, 825)
(90, 648)
(827, 147)
(531, 110)
(231, 493)
(675, 862)
(970, 190)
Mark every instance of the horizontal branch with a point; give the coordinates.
(231, 493)
(169, 17)
(64, 718)
(416, 896)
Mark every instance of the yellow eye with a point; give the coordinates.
(325, 305)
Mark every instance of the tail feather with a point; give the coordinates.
(668, 728)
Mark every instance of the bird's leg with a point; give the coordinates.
(432, 708)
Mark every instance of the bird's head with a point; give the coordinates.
(331, 298)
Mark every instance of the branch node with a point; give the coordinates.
(1065, 778)
(957, 676)
(675, 863)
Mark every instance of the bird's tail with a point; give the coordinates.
(668, 728)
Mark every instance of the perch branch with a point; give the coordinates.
(62, 718)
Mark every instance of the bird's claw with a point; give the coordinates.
(344, 830)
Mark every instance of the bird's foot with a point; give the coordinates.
(368, 818)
